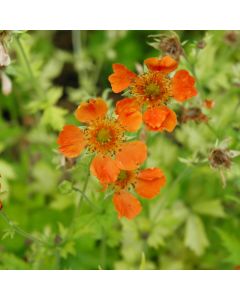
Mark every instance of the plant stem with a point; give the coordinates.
(76, 42)
(29, 68)
(77, 208)
(25, 58)
(84, 196)
(19, 230)
(103, 249)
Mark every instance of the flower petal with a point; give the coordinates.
(71, 141)
(105, 169)
(166, 65)
(160, 118)
(183, 86)
(128, 114)
(91, 110)
(149, 182)
(121, 78)
(131, 155)
(126, 205)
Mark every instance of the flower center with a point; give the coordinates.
(125, 179)
(123, 175)
(104, 135)
(152, 90)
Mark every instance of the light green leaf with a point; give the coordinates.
(212, 208)
(195, 235)
(54, 94)
(6, 170)
(54, 117)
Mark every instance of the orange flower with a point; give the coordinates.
(151, 90)
(121, 78)
(128, 114)
(160, 118)
(183, 86)
(166, 65)
(147, 183)
(103, 136)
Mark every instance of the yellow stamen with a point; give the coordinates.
(104, 136)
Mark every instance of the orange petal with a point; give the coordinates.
(121, 78)
(183, 86)
(166, 65)
(105, 169)
(71, 141)
(128, 114)
(149, 182)
(160, 118)
(91, 110)
(126, 205)
(131, 155)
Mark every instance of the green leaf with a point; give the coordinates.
(8, 233)
(231, 243)
(7, 170)
(54, 117)
(195, 235)
(212, 208)
(68, 249)
(54, 94)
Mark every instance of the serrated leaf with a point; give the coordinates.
(195, 235)
(54, 117)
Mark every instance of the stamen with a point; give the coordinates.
(153, 88)
(104, 136)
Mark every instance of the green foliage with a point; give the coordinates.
(192, 224)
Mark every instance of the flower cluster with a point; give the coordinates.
(117, 161)
(150, 93)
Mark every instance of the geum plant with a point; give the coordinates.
(117, 161)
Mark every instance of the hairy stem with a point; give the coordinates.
(19, 230)
(78, 206)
